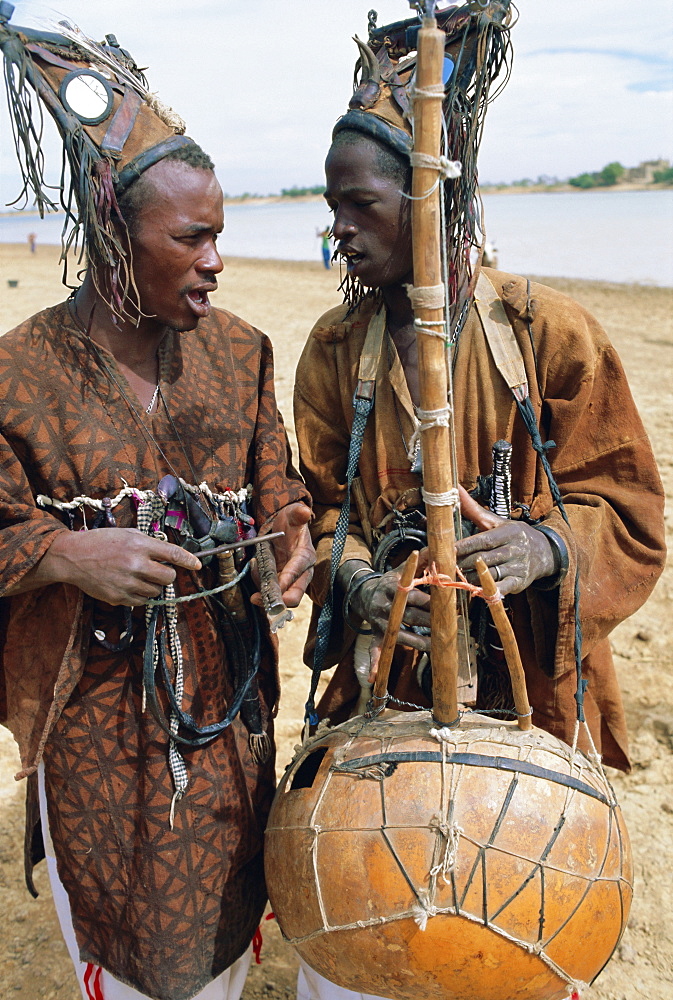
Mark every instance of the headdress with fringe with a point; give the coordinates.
(112, 127)
(477, 51)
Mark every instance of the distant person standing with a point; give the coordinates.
(490, 256)
(325, 235)
(32, 241)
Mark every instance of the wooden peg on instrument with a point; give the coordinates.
(509, 645)
(390, 638)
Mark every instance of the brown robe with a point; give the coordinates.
(163, 910)
(602, 463)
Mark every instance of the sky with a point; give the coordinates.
(261, 84)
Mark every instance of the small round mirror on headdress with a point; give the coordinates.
(87, 95)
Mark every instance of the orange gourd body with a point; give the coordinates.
(492, 864)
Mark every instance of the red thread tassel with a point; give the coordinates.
(92, 982)
(257, 943)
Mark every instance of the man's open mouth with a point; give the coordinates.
(199, 302)
(352, 257)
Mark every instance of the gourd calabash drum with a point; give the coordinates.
(478, 863)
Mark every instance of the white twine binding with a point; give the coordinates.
(426, 296)
(428, 327)
(451, 833)
(447, 169)
(421, 914)
(427, 419)
(449, 499)
(433, 90)
(445, 735)
(80, 502)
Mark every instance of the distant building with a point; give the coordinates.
(644, 174)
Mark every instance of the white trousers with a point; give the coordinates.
(96, 983)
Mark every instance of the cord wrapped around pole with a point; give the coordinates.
(438, 478)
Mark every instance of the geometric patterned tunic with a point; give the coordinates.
(165, 910)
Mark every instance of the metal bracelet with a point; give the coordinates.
(350, 592)
(360, 569)
(561, 559)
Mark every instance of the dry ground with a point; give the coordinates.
(284, 299)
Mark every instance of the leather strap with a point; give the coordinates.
(122, 124)
(503, 344)
(148, 158)
(472, 760)
(372, 347)
(51, 58)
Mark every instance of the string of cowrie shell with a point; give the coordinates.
(446, 855)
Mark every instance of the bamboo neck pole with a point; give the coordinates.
(435, 445)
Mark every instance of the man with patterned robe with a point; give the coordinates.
(139, 426)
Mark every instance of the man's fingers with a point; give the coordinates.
(507, 579)
(491, 556)
(418, 599)
(175, 555)
(405, 638)
(416, 616)
(299, 563)
(298, 514)
(473, 511)
(487, 540)
(293, 594)
(374, 657)
(156, 574)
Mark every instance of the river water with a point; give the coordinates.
(624, 236)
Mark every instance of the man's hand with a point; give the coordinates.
(516, 553)
(115, 565)
(294, 553)
(372, 602)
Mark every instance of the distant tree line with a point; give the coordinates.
(664, 176)
(648, 172)
(293, 192)
(613, 173)
(298, 192)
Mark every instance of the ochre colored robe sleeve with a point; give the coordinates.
(605, 470)
(612, 493)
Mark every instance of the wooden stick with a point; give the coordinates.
(242, 544)
(435, 446)
(509, 645)
(392, 628)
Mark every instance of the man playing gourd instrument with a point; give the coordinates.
(600, 508)
(140, 435)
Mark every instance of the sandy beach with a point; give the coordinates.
(283, 299)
